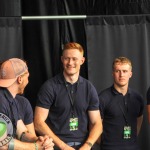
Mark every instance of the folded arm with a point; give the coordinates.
(42, 128)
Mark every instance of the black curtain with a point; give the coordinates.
(10, 38)
(10, 29)
(113, 36)
(10, 8)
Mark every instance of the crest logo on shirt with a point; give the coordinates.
(6, 129)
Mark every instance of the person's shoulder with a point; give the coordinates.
(2, 99)
(85, 81)
(135, 93)
(23, 102)
(105, 91)
(22, 99)
(54, 79)
(2, 94)
(105, 96)
(1, 91)
(51, 84)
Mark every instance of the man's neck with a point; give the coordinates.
(122, 89)
(71, 78)
(12, 91)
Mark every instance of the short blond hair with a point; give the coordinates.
(122, 60)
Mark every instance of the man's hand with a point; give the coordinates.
(45, 142)
(5, 147)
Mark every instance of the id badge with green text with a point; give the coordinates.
(73, 124)
(127, 132)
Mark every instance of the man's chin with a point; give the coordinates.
(122, 85)
(70, 73)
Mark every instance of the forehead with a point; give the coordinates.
(72, 53)
(122, 66)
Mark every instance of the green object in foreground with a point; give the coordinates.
(3, 129)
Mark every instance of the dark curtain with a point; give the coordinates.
(10, 8)
(113, 36)
(10, 38)
(10, 29)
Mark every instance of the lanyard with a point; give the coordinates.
(124, 114)
(72, 96)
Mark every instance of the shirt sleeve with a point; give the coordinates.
(28, 118)
(45, 96)
(25, 109)
(94, 100)
(101, 106)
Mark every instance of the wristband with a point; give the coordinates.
(36, 147)
(23, 133)
(89, 144)
(11, 144)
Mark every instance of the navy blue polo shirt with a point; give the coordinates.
(111, 103)
(148, 96)
(53, 95)
(25, 109)
(15, 108)
(9, 107)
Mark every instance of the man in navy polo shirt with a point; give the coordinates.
(121, 109)
(67, 104)
(13, 80)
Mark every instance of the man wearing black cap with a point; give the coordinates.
(13, 80)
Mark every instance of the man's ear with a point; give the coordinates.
(83, 60)
(131, 74)
(19, 80)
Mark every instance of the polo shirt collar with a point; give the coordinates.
(117, 93)
(8, 95)
(62, 81)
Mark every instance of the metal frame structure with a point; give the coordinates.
(54, 17)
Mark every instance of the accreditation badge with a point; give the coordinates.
(127, 132)
(73, 124)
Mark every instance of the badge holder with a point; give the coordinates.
(127, 129)
(73, 122)
(127, 132)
